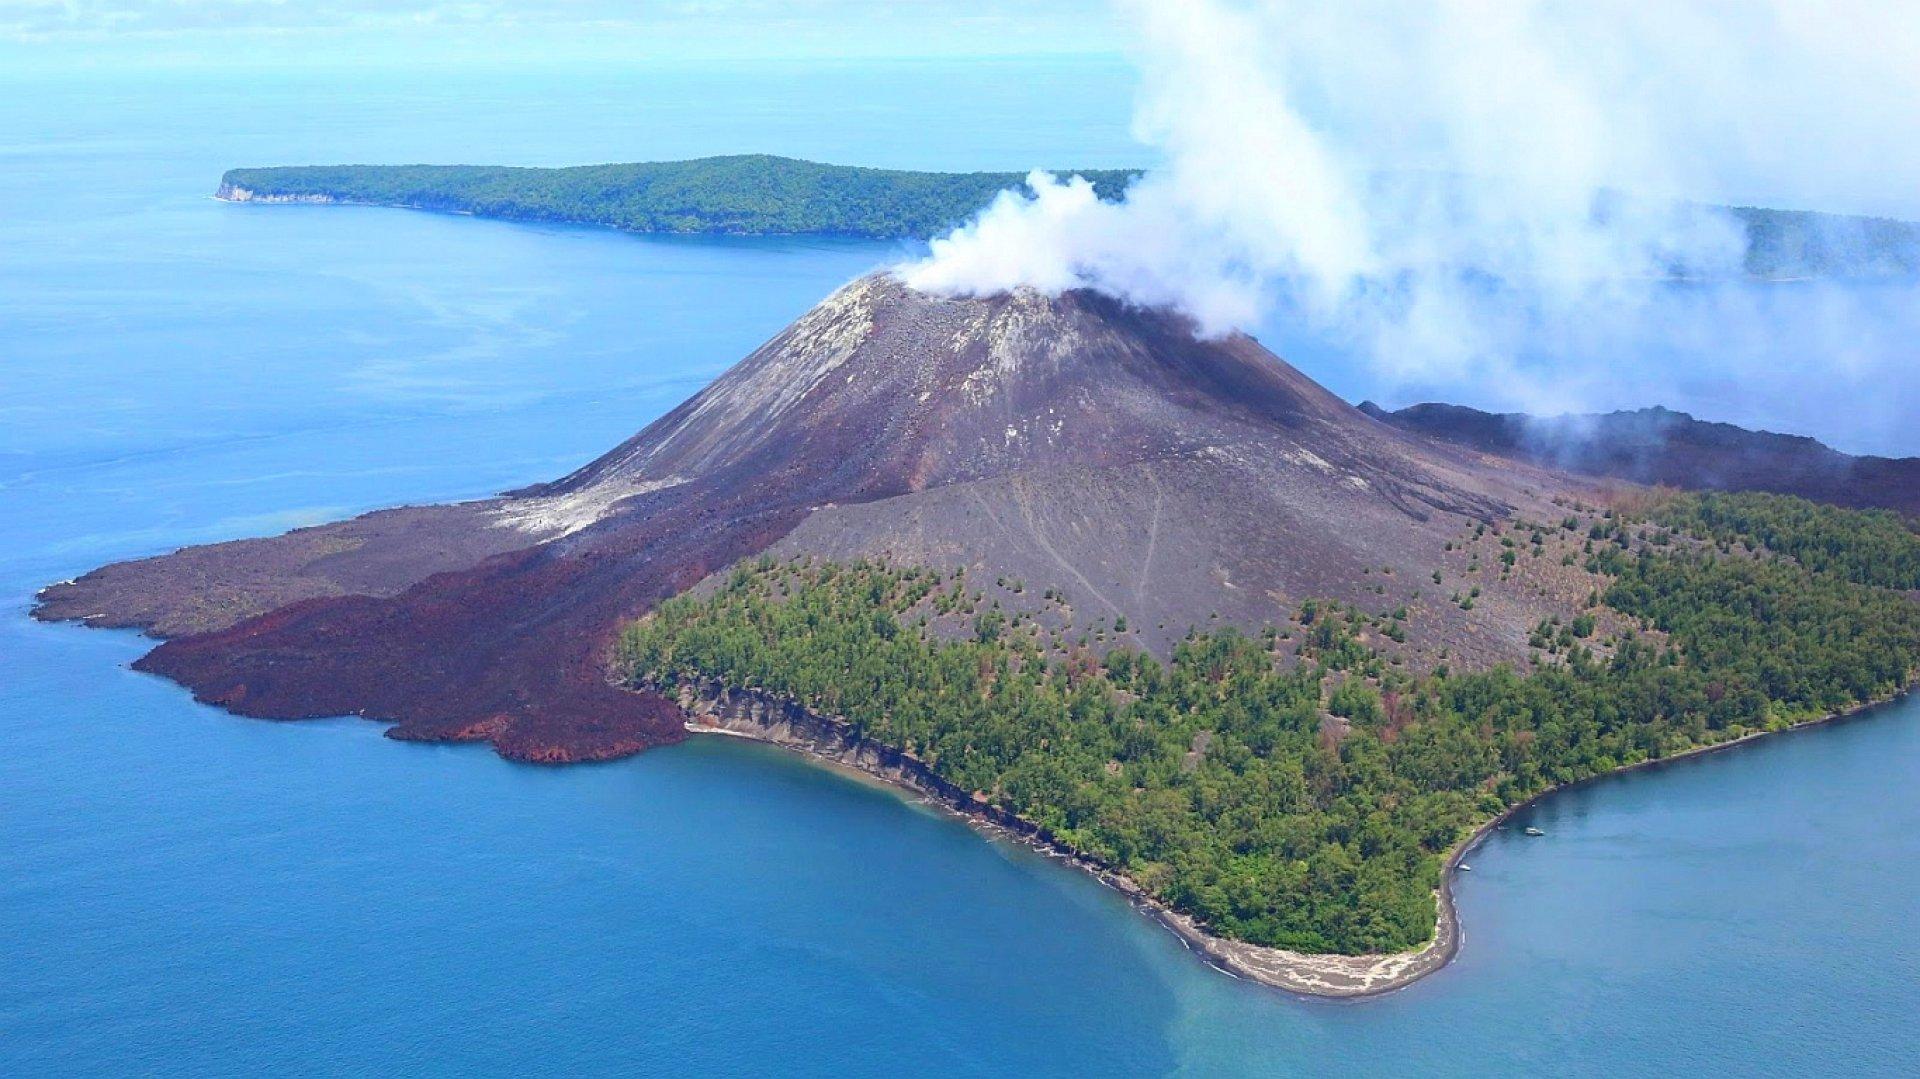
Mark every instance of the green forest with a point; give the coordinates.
(760, 194)
(1287, 788)
(745, 195)
(1865, 546)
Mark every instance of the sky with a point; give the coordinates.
(64, 34)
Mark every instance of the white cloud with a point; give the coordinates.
(1432, 181)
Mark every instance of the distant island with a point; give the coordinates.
(743, 195)
(765, 195)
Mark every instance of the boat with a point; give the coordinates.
(1533, 831)
(1464, 867)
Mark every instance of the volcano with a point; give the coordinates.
(1068, 443)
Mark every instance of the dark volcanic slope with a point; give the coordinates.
(1657, 445)
(1071, 442)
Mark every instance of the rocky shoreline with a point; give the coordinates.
(715, 708)
(712, 707)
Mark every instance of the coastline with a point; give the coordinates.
(713, 708)
(242, 196)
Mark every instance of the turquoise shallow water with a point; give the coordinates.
(186, 893)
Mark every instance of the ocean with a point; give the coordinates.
(187, 893)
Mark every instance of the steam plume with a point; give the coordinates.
(1456, 185)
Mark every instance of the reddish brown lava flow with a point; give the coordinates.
(511, 651)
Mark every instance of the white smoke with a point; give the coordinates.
(1450, 183)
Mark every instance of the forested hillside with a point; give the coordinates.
(1300, 787)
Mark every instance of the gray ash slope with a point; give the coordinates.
(1069, 442)
(1661, 446)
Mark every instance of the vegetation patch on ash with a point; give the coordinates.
(1301, 786)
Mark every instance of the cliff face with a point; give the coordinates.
(1070, 442)
(234, 193)
(718, 708)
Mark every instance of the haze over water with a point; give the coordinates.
(184, 892)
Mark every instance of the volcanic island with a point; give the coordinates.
(1155, 602)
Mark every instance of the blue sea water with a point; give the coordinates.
(187, 893)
